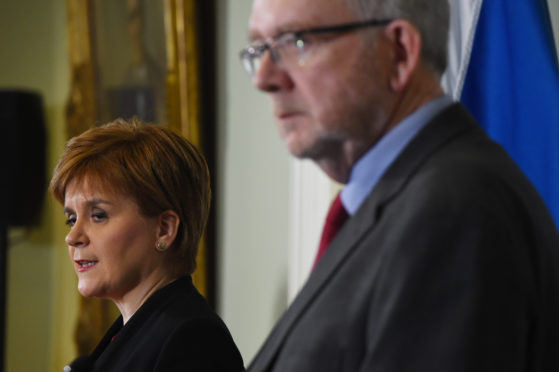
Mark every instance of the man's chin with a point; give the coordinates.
(302, 153)
(297, 149)
(309, 147)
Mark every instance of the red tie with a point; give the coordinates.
(337, 215)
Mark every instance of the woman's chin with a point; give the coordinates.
(86, 290)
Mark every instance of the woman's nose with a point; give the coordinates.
(77, 236)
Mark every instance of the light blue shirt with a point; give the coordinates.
(370, 167)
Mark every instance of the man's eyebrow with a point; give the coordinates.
(253, 36)
(286, 28)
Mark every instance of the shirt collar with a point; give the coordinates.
(371, 166)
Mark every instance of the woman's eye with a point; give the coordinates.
(70, 221)
(99, 216)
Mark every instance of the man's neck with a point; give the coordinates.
(421, 90)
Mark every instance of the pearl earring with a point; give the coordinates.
(161, 245)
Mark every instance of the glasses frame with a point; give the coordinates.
(252, 52)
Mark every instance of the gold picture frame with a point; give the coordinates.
(183, 104)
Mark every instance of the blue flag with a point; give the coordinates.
(511, 86)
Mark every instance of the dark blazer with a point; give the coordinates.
(451, 264)
(174, 330)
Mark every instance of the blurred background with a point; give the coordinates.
(245, 273)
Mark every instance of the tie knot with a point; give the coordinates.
(337, 215)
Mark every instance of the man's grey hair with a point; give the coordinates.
(431, 17)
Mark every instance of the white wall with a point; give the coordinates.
(252, 194)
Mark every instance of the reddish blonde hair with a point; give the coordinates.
(158, 168)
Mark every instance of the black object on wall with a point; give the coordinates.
(22, 175)
(22, 157)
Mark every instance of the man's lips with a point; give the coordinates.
(288, 118)
(286, 114)
(85, 265)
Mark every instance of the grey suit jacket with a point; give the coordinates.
(451, 264)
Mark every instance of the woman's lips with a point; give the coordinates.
(85, 265)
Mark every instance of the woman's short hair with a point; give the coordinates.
(155, 166)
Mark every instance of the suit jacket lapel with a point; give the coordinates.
(450, 123)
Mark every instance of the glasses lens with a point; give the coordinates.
(285, 51)
(248, 56)
(289, 50)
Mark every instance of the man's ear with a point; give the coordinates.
(405, 41)
(168, 227)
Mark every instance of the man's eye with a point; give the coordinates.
(300, 42)
(257, 48)
(260, 48)
(289, 40)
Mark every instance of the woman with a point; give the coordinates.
(136, 198)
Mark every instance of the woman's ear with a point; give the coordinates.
(406, 48)
(168, 227)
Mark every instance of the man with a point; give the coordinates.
(449, 259)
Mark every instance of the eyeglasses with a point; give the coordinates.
(289, 47)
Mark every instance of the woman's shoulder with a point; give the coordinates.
(179, 309)
(182, 302)
(176, 327)
(191, 331)
(203, 344)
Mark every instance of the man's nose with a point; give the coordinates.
(270, 76)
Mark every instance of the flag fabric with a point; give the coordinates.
(503, 67)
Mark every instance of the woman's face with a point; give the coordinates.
(111, 244)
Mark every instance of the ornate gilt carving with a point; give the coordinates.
(183, 89)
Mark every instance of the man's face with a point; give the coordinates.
(333, 100)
